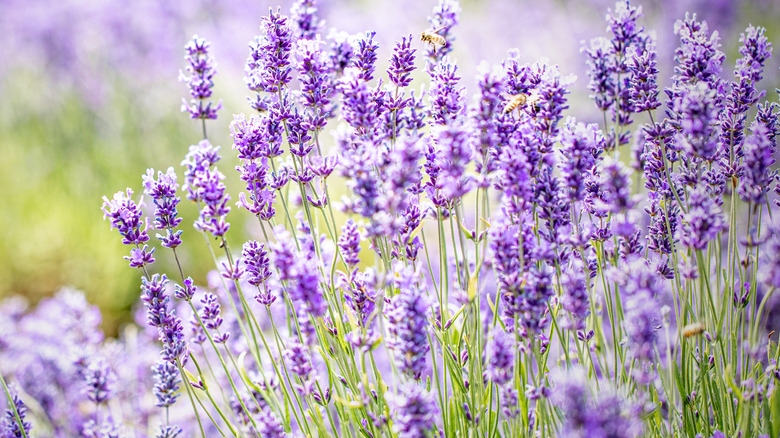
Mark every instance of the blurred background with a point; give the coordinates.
(89, 99)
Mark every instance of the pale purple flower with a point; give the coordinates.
(199, 76)
(415, 410)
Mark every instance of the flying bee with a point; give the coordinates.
(516, 101)
(433, 38)
(692, 329)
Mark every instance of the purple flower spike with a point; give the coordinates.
(644, 89)
(163, 193)
(256, 261)
(500, 356)
(317, 84)
(415, 410)
(444, 18)
(402, 62)
(200, 157)
(268, 66)
(210, 315)
(304, 14)
(703, 221)
(100, 380)
(408, 326)
(168, 432)
(125, 216)
(186, 291)
(268, 424)
(9, 427)
(756, 170)
(349, 243)
(166, 383)
(447, 98)
(365, 57)
(199, 78)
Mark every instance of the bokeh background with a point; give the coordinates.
(89, 99)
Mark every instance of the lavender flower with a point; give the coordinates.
(605, 414)
(304, 14)
(581, 147)
(644, 89)
(100, 380)
(168, 432)
(414, 409)
(199, 78)
(255, 259)
(500, 356)
(10, 426)
(703, 221)
(125, 216)
(163, 192)
(268, 66)
(444, 18)
(349, 243)
(696, 108)
(408, 326)
(268, 424)
(166, 383)
(756, 169)
(317, 84)
(402, 62)
(212, 192)
(359, 109)
(446, 97)
(575, 298)
(365, 56)
(199, 158)
(210, 315)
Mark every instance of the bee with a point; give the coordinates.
(693, 329)
(433, 38)
(516, 101)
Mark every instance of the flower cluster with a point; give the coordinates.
(493, 267)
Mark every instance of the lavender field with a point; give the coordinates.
(390, 219)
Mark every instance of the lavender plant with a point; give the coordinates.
(494, 267)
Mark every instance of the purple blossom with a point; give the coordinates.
(575, 298)
(186, 290)
(317, 84)
(268, 424)
(256, 262)
(268, 66)
(444, 18)
(155, 299)
(358, 108)
(212, 192)
(163, 193)
(210, 315)
(644, 89)
(756, 169)
(10, 426)
(365, 56)
(582, 146)
(415, 410)
(407, 321)
(199, 77)
(349, 243)
(166, 383)
(168, 432)
(304, 14)
(125, 216)
(446, 97)
(402, 62)
(703, 221)
(455, 146)
(500, 356)
(607, 414)
(99, 379)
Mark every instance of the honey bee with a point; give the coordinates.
(516, 101)
(433, 38)
(692, 329)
